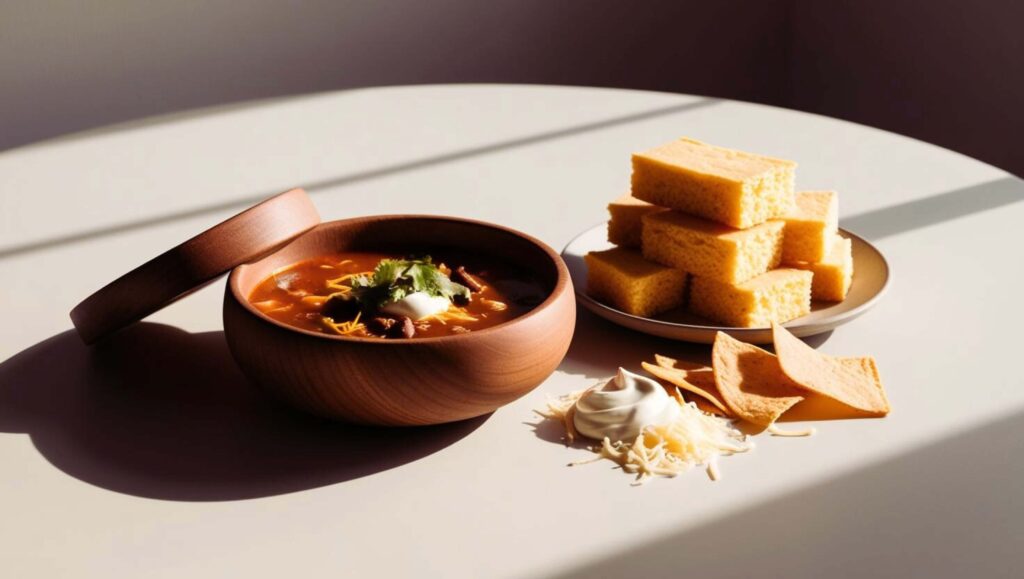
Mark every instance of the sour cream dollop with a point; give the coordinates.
(417, 306)
(620, 408)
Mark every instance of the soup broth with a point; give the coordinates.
(348, 294)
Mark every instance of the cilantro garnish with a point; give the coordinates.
(393, 279)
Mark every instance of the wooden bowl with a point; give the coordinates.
(403, 382)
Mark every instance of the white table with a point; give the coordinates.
(157, 474)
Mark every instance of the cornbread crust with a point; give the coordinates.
(777, 296)
(834, 274)
(731, 187)
(623, 279)
(624, 223)
(711, 250)
(811, 226)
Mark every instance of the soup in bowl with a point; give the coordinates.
(401, 320)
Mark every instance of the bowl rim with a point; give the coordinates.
(562, 282)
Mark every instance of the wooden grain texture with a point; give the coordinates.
(403, 382)
(188, 267)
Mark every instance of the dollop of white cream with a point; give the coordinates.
(417, 306)
(620, 408)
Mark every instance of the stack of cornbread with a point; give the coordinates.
(723, 233)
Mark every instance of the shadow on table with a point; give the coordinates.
(161, 413)
(599, 347)
(367, 175)
(954, 508)
(936, 209)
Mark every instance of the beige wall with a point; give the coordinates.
(944, 71)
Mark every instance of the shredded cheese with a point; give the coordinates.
(271, 306)
(693, 438)
(713, 473)
(453, 314)
(562, 410)
(494, 305)
(338, 284)
(315, 300)
(319, 300)
(776, 431)
(344, 328)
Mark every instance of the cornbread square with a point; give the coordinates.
(834, 274)
(624, 225)
(622, 278)
(731, 187)
(777, 296)
(709, 249)
(811, 226)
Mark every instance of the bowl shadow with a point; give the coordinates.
(160, 413)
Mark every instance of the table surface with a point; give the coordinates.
(164, 464)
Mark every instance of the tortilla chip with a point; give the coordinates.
(853, 383)
(702, 404)
(698, 380)
(707, 392)
(751, 381)
(818, 407)
(704, 379)
(672, 363)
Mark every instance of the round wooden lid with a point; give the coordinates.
(248, 236)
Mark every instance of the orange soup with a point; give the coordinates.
(386, 295)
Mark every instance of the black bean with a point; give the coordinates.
(408, 328)
(340, 309)
(381, 325)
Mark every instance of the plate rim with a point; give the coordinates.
(833, 321)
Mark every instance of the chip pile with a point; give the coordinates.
(758, 387)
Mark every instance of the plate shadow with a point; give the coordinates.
(599, 347)
(161, 413)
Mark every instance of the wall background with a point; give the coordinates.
(947, 72)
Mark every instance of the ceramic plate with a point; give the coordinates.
(870, 279)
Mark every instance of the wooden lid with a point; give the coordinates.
(195, 263)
